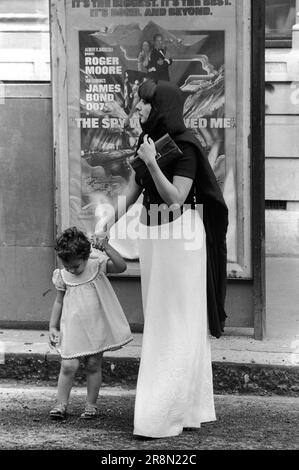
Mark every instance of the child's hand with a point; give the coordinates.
(54, 336)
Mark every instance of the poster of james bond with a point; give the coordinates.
(109, 80)
(112, 47)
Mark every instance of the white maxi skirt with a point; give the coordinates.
(175, 383)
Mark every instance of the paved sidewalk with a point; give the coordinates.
(241, 364)
(237, 345)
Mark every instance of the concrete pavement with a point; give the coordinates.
(241, 364)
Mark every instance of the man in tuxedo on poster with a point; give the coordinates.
(159, 60)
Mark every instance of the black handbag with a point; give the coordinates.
(167, 151)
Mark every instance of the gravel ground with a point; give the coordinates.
(244, 422)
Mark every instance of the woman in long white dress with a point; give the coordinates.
(183, 272)
(175, 383)
(175, 387)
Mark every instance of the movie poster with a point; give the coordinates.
(111, 70)
(111, 47)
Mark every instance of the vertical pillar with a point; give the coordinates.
(258, 166)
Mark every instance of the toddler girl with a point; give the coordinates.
(86, 318)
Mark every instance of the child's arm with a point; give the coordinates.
(55, 318)
(115, 263)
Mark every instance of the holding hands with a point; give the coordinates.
(101, 234)
(147, 151)
(115, 263)
(100, 241)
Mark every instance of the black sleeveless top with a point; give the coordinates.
(184, 166)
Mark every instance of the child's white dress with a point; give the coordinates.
(92, 319)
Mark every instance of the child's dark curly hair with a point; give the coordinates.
(72, 243)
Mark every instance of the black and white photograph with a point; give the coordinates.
(149, 223)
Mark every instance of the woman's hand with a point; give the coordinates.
(101, 228)
(147, 151)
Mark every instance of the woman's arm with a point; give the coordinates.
(55, 317)
(131, 195)
(116, 263)
(124, 202)
(172, 193)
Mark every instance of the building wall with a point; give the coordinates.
(26, 203)
(24, 40)
(282, 149)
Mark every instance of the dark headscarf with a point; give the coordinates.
(167, 116)
(167, 103)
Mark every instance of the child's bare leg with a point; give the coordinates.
(94, 377)
(68, 370)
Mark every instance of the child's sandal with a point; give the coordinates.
(90, 412)
(59, 411)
